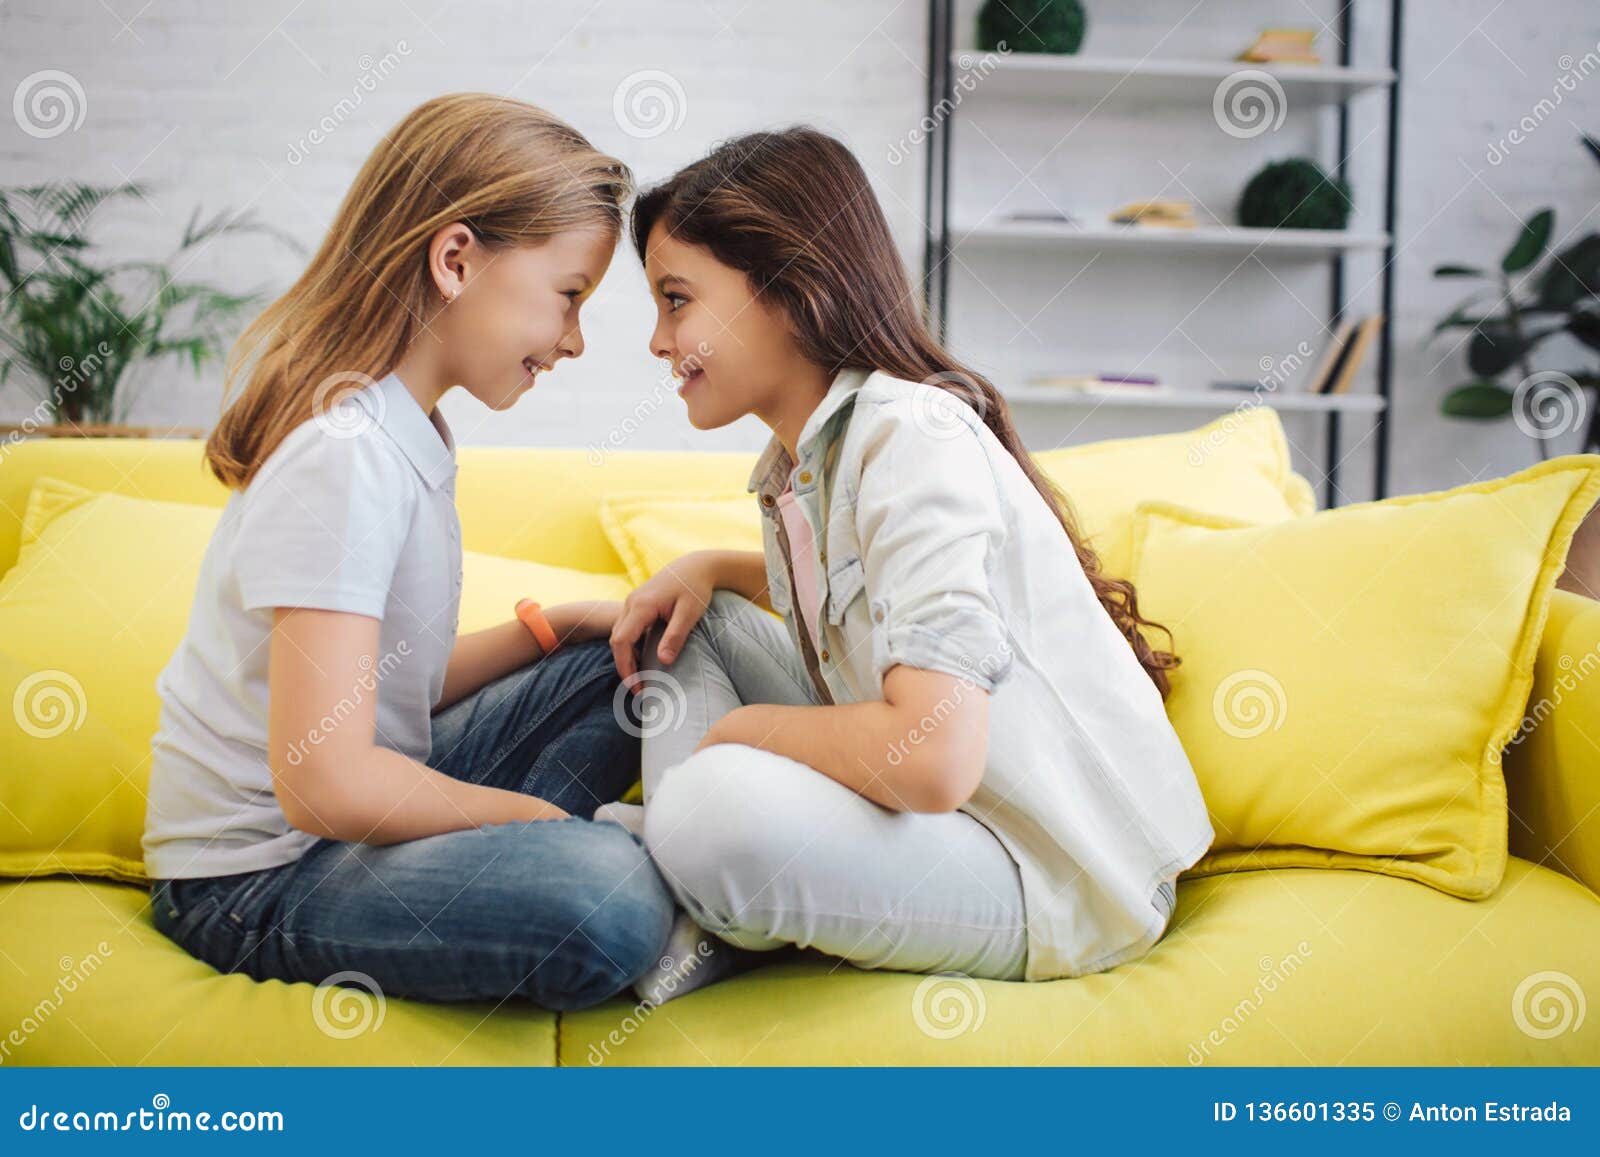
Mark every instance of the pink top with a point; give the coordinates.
(803, 552)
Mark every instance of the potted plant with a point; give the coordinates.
(1536, 296)
(72, 326)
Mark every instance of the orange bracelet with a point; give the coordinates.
(533, 618)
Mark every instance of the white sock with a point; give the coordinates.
(692, 959)
(629, 815)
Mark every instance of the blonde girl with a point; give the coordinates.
(342, 786)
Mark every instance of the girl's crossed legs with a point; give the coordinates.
(562, 912)
(764, 851)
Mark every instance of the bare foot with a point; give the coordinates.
(1582, 576)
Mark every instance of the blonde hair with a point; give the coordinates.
(511, 172)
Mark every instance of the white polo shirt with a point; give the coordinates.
(354, 511)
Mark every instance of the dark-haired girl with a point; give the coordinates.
(949, 752)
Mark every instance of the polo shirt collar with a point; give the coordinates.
(424, 438)
(771, 471)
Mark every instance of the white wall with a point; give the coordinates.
(215, 103)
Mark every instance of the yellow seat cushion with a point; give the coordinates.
(89, 981)
(1237, 465)
(90, 614)
(1285, 967)
(1349, 679)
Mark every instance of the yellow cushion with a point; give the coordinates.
(515, 501)
(89, 615)
(650, 530)
(91, 982)
(1287, 967)
(1237, 465)
(1348, 680)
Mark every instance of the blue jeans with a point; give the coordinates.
(565, 913)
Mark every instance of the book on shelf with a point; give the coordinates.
(1344, 355)
(1283, 46)
(1160, 214)
(1046, 216)
(1108, 382)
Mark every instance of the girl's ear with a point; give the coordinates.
(450, 253)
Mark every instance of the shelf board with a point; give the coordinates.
(1304, 242)
(1153, 81)
(1156, 397)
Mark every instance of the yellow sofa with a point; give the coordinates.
(1282, 966)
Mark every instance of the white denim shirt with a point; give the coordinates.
(935, 550)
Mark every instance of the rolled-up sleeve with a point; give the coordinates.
(928, 514)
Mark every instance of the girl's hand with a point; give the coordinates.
(679, 593)
(581, 622)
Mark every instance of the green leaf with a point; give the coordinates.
(1572, 275)
(1494, 349)
(1458, 271)
(1480, 400)
(1585, 326)
(1530, 244)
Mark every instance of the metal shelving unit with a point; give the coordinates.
(1156, 82)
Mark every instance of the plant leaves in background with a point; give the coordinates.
(1478, 400)
(1530, 244)
(1572, 276)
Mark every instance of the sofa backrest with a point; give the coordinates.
(534, 503)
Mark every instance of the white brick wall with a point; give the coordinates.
(214, 104)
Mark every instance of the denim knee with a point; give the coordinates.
(621, 913)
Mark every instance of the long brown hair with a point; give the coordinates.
(793, 211)
(514, 174)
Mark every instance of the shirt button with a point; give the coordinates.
(877, 615)
(767, 500)
(822, 556)
(805, 476)
(824, 656)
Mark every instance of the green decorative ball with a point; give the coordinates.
(1294, 194)
(1031, 25)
